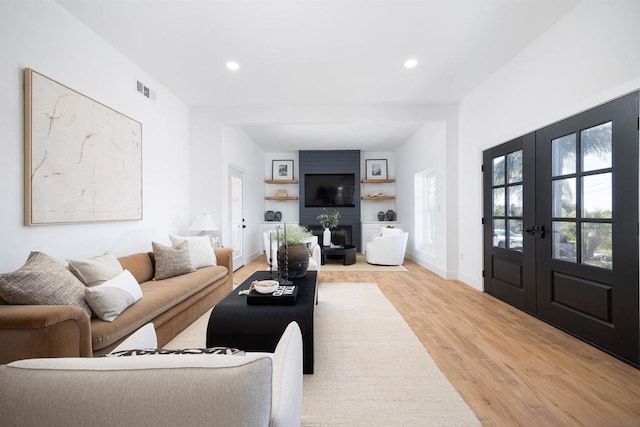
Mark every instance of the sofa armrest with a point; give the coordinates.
(30, 331)
(286, 409)
(224, 257)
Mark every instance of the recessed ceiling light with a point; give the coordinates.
(233, 66)
(410, 63)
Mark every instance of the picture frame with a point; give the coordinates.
(83, 159)
(282, 170)
(376, 169)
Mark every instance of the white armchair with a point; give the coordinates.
(314, 258)
(388, 248)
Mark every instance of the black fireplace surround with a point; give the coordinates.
(317, 162)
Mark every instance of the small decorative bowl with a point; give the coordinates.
(265, 286)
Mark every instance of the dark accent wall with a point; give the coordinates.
(332, 161)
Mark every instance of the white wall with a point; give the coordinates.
(425, 150)
(590, 56)
(239, 151)
(43, 36)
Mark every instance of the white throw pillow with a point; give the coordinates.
(114, 296)
(200, 248)
(96, 270)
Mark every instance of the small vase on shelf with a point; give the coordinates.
(326, 237)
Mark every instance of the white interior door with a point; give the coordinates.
(236, 202)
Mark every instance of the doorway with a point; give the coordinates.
(236, 203)
(561, 225)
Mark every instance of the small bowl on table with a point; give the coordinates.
(265, 286)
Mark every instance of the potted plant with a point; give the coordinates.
(328, 220)
(295, 256)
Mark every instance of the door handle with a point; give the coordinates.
(536, 229)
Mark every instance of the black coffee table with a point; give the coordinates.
(347, 252)
(234, 323)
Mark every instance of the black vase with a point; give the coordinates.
(381, 216)
(298, 262)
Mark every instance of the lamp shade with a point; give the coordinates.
(203, 222)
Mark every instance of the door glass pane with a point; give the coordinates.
(563, 152)
(564, 198)
(498, 202)
(498, 171)
(564, 241)
(498, 233)
(596, 147)
(514, 200)
(596, 245)
(596, 199)
(514, 167)
(515, 235)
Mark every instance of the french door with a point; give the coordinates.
(561, 225)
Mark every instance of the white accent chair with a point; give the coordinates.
(314, 258)
(388, 248)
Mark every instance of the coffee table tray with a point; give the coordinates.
(285, 295)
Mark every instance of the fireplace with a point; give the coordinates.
(340, 235)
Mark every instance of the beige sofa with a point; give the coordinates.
(254, 389)
(35, 331)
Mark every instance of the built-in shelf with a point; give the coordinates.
(378, 197)
(378, 181)
(281, 181)
(281, 199)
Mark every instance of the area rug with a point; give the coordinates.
(360, 265)
(370, 368)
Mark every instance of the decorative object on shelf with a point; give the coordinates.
(83, 159)
(293, 254)
(391, 215)
(282, 170)
(269, 216)
(376, 168)
(376, 194)
(381, 216)
(328, 220)
(203, 223)
(282, 193)
(277, 216)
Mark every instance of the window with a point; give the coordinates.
(425, 203)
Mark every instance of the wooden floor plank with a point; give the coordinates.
(511, 368)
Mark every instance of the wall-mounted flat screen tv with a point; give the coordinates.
(329, 190)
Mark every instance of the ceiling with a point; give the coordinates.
(319, 53)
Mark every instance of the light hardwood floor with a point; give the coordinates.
(512, 369)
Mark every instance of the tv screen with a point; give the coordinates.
(329, 190)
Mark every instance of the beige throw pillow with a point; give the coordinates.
(114, 296)
(172, 261)
(96, 270)
(202, 254)
(42, 281)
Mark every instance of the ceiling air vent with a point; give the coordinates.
(145, 90)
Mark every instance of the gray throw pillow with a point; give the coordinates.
(42, 281)
(172, 261)
(96, 270)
